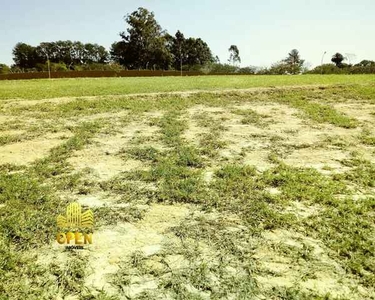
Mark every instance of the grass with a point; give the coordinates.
(366, 138)
(245, 228)
(42, 89)
(324, 114)
(29, 220)
(251, 117)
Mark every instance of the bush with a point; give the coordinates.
(219, 68)
(99, 67)
(248, 70)
(4, 69)
(344, 69)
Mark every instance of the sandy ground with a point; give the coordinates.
(299, 141)
(23, 153)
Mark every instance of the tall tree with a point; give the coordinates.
(190, 52)
(234, 55)
(294, 62)
(25, 56)
(338, 58)
(197, 52)
(94, 53)
(178, 50)
(146, 43)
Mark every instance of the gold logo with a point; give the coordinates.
(75, 218)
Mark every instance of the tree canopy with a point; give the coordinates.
(294, 62)
(337, 59)
(234, 55)
(146, 46)
(69, 53)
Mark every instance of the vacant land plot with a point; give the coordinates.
(262, 193)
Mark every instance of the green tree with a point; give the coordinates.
(25, 56)
(178, 50)
(189, 53)
(94, 53)
(197, 52)
(234, 55)
(67, 53)
(366, 63)
(144, 45)
(118, 52)
(78, 53)
(294, 62)
(4, 69)
(337, 59)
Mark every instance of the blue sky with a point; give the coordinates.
(264, 31)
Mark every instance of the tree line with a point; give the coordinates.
(146, 46)
(339, 66)
(63, 55)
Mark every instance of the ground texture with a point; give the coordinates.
(262, 193)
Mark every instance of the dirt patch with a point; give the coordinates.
(324, 160)
(194, 132)
(4, 119)
(114, 244)
(286, 133)
(259, 159)
(238, 137)
(303, 211)
(363, 112)
(103, 165)
(23, 153)
(94, 199)
(321, 273)
(11, 132)
(113, 117)
(21, 102)
(101, 156)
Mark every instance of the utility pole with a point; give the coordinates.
(49, 68)
(180, 60)
(321, 63)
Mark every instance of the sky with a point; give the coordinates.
(264, 31)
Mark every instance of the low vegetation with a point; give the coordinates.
(263, 193)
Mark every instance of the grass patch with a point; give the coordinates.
(366, 138)
(251, 117)
(347, 228)
(240, 190)
(300, 184)
(210, 142)
(143, 154)
(9, 139)
(362, 173)
(78, 87)
(323, 113)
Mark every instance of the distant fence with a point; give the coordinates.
(77, 74)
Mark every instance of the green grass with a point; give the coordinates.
(42, 89)
(321, 113)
